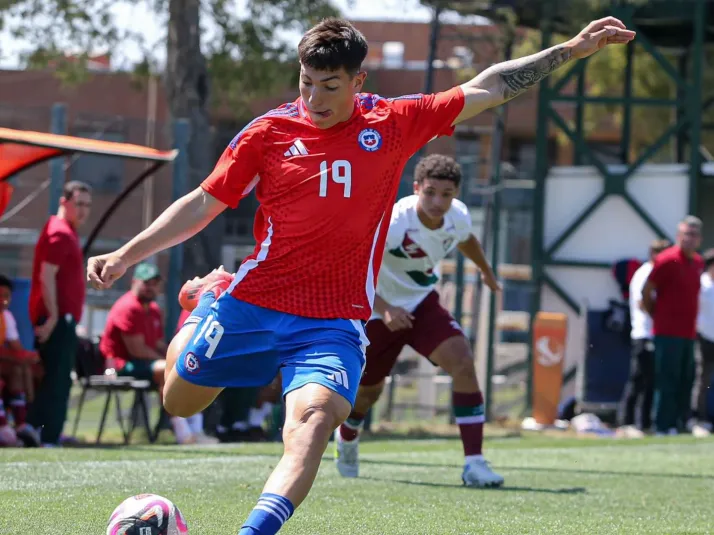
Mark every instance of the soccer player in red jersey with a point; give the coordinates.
(325, 168)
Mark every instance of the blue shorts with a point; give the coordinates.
(243, 345)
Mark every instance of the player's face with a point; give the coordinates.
(435, 198)
(329, 95)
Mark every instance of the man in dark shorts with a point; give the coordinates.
(424, 229)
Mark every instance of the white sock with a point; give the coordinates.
(471, 458)
(195, 422)
(256, 417)
(181, 429)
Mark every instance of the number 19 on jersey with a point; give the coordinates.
(341, 173)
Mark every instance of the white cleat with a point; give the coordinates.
(478, 473)
(702, 429)
(346, 456)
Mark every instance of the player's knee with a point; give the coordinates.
(463, 366)
(314, 424)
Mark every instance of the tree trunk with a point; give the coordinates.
(188, 89)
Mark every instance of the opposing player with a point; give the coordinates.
(424, 229)
(325, 168)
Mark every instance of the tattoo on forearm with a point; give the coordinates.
(519, 75)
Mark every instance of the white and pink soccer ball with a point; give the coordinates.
(147, 514)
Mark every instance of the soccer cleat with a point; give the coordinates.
(478, 473)
(29, 435)
(346, 456)
(217, 281)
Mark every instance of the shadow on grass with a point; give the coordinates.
(547, 469)
(573, 490)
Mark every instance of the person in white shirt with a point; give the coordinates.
(705, 363)
(640, 387)
(424, 229)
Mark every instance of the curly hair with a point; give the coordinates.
(439, 167)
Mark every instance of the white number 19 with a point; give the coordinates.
(212, 332)
(341, 174)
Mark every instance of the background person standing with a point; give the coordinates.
(57, 294)
(671, 298)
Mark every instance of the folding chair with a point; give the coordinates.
(90, 370)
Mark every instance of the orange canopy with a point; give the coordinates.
(20, 149)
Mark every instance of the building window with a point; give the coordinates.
(105, 174)
(393, 55)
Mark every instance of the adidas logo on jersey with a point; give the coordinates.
(297, 148)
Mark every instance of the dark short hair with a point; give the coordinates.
(75, 185)
(333, 44)
(6, 282)
(657, 246)
(439, 167)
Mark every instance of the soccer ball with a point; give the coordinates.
(146, 514)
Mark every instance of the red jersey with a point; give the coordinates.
(129, 316)
(58, 244)
(676, 279)
(326, 198)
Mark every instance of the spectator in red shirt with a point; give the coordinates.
(133, 339)
(56, 301)
(671, 298)
(133, 342)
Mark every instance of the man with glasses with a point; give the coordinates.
(671, 298)
(56, 301)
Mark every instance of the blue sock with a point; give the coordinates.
(268, 516)
(202, 308)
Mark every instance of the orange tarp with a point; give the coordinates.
(20, 149)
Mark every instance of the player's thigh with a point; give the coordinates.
(185, 399)
(329, 353)
(230, 347)
(382, 352)
(439, 337)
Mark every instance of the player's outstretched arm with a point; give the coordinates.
(502, 82)
(180, 221)
(471, 249)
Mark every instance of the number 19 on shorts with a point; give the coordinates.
(340, 172)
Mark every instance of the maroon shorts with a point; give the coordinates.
(432, 325)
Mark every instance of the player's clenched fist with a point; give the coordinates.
(396, 318)
(103, 270)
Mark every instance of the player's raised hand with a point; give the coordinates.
(490, 280)
(104, 270)
(397, 318)
(597, 35)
